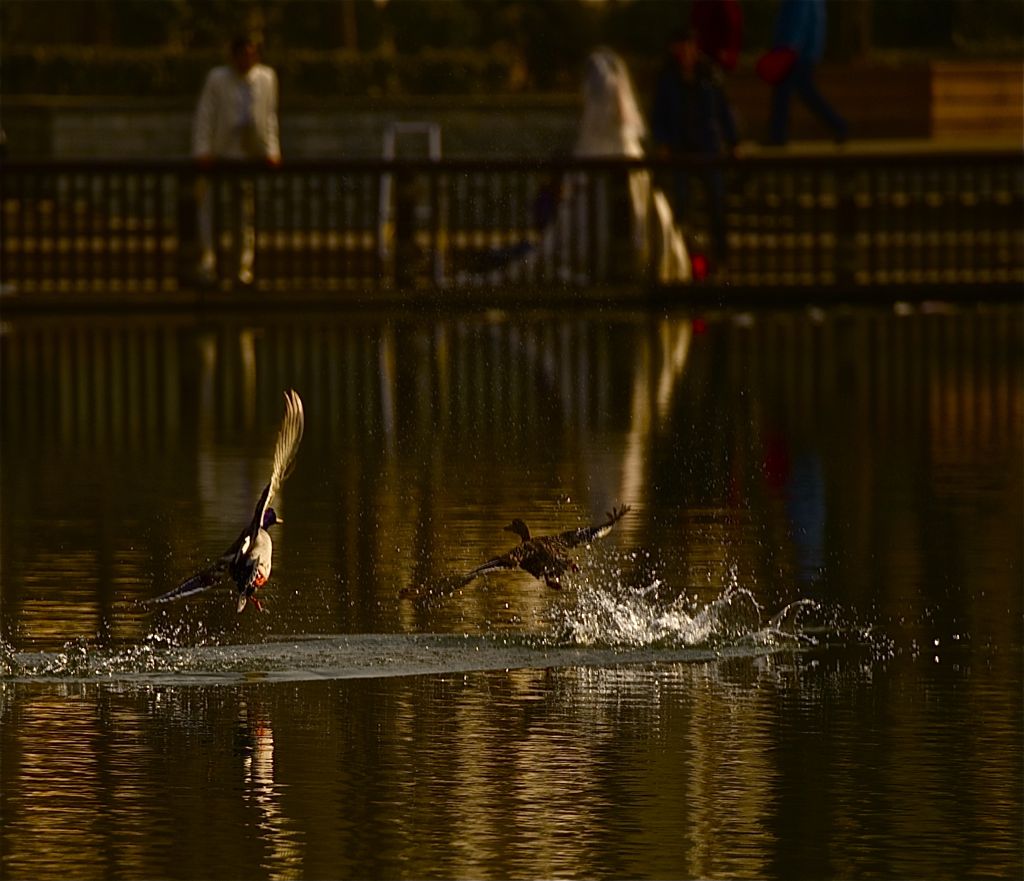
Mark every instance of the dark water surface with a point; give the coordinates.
(799, 656)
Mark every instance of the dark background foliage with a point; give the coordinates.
(365, 47)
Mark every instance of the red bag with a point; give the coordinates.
(775, 65)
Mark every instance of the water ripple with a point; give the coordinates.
(605, 627)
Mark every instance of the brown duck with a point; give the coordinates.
(546, 557)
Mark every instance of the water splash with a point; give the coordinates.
(603, 621)
(81, 658)
(8, 659)
(342, 657)
(609, 614)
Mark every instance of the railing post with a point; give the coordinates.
(846, 228)
(407, 252)
(877, 220)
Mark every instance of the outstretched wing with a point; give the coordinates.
(425, 595)
(209, 577)
(505, 561)
(585, 534)
(288, 439)
(212, 575)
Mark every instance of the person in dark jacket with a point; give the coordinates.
(691, 117)
(801, 27)
(718, 28)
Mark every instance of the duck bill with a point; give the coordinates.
(241, 602)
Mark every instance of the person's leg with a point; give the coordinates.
(779, 129)
(247, 230)
(714, 192)
(803, 82)
(680, 196)
(204, 218)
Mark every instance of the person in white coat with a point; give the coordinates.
(236, 119)
(613, 126)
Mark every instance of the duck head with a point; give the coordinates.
(270, 518)
(519, 528)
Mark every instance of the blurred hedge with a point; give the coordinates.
(442, 47)
(121, 72)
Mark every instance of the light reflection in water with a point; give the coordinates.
(281, 841)
(780, 767)
(762, 443)
(861, 458)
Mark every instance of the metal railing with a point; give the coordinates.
(825, 221)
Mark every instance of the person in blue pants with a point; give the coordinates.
(801, 27)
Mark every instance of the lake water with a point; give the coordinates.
(798, 656)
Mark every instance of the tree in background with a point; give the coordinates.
(101, 46)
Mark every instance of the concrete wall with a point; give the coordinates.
(947, 100)
(103, 129)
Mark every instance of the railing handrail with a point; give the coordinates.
(839, 160)
(832, 218)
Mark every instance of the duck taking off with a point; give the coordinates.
(546, 557)
(248, 559)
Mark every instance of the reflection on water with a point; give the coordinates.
(858, 455)
(281, 838)
(866, 461)
(781, 767)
